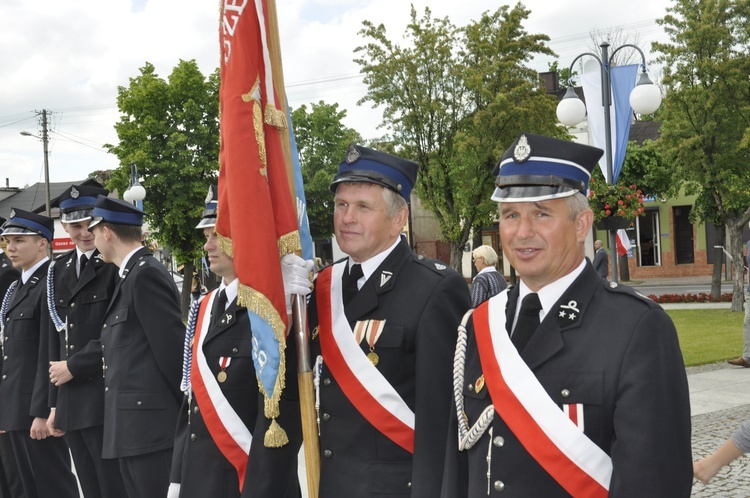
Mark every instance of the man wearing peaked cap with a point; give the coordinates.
(80, 285)
(142, 339)
(43, 461)
(385, 326)
(10, 480)
(222, 397)
(565, 385)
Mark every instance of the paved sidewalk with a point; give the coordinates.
(719, 402)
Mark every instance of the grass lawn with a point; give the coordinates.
(708, 335)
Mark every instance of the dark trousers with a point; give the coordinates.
(44, 466)
(99, 478)
(10, 479)
(147, 476)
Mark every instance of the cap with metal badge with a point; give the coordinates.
(371, 166)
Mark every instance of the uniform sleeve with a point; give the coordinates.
(40, 396)
(180, 442)
(651, 453)
(50, 334)
(157, 306)
(435, 344)
(86, 363)
(455, 472)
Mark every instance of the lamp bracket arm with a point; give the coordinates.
(570, 70)
(630, 45)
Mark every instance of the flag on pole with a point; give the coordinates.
(623, 80)
(257, 219)
(299, 189)
(624, 247)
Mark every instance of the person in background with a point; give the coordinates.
(601, 259)
(706, 468)
(744, 360)
(565, 384)
(142, 342)
(43, 461)
(80, 284)
(10, 480)
(222, 401)
(488, 281)
(384, 324)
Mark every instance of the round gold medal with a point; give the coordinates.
(221, 376)
(373, 357)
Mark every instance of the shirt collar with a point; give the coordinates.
(372, 264)
(550, 293)
(126, 259)
(26, 275)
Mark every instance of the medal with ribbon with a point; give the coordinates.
(369, 330)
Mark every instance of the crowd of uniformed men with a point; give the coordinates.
(561, 385)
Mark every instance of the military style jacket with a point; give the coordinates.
(614, 356)
(142, 341)
(197, 463)
(82, 302)
(422, 302)
(20, 400)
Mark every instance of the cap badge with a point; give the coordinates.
(352, 154)
(210, 195)
(74, 193)
(12, 213)
(523, 150)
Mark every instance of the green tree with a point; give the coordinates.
(322, 140)
(170, 129)
(455, 99)
(706, 112)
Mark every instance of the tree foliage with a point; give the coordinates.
(455, 99)
(322, 140)
(170, 129)
(706, 112)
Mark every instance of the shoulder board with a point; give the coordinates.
(434, 264)
(629, 291)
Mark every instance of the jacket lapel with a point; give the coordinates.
(564, 317)
(225, 322)
(134, 259)
(20, 294)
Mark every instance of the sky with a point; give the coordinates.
(69, 57)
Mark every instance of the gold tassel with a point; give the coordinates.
(289, 243)
(275, 436)
(275, 117)
(225, 244)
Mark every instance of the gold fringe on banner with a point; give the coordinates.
(275, 117)
(290, 243)
(225, 244)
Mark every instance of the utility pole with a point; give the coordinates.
(45, 141)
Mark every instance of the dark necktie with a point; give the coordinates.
(349, 282)
(528, 321)
(220, 304)
(84, 260)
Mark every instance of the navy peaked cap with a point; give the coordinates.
(77, 202)
(371, 166)
(538, 168)
(115, 211)
(27, 223)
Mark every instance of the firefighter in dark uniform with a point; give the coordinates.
(10, 480)
(43, 461)
(142, 340)
(81, 285)
(386, 335)
(226, 398)
(566, 384)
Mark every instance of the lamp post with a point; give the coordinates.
(644, 99)
(135, 192)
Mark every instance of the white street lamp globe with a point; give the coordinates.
(137, 192)
(127, 196)
(571, 110)
(645, 97)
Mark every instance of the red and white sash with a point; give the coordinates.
(368, 390)
(227, 429)
(548, 434)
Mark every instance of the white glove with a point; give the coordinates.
(296, 274)
(174, 490)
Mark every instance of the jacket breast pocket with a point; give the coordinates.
(94, 295)
(22, 314)
(233, 347)
(580, 396)
(392, 337)
(119, 334)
